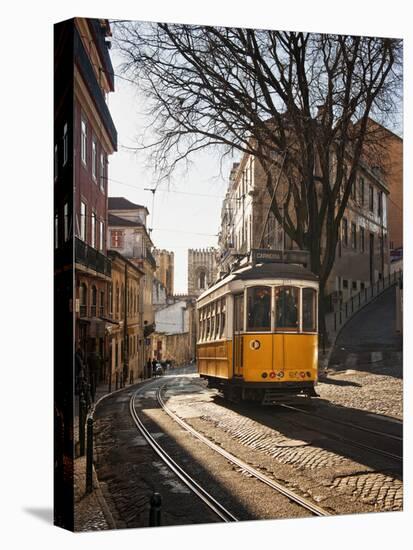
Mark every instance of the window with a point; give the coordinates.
(353, 236)
(116, 238)
(345, 283)
(309, 310)
(66, 221)
(102, 171)
(101, 235)
(345, 232)
(286, 307)
(222, 326)
(202, 277)
(83, 210)
(362, 242)
(361, 194)
(117, 299)
(94, 301)
(93, 230)
(208, 322)
(56, 163)
(56, 230)
(83, 142)
(353, 190)
(83, 300)
(102, 303)
(259, 308)
(371, 198)
(110, 298)
(94, 159)
(379, 203)
(354, 285)
(65, 144)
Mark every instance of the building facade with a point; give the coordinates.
(202, 269)
(174, 338)
(127, 234)
(362, 255)
(84, 137)
(126, 340)
(165, 269)
(94, 140)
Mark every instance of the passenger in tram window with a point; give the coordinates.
(259, 308)
(286, 307)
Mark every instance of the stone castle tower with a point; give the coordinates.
(202, 269)
(165, 269)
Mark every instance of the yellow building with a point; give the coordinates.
(126, 339)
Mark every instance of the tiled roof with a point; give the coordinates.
(120, 203)
(117, 221)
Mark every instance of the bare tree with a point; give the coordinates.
(297, 100)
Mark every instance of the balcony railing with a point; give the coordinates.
(92, 258)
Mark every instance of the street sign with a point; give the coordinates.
(267, 255)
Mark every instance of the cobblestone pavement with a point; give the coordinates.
(340, 478)
(365, 369)
(89, 515)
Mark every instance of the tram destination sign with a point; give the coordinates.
(269, 256)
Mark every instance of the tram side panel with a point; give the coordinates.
(215, 359)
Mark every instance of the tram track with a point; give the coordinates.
(215, 506)
(380, 452)
(256, 474)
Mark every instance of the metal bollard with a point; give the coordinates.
(82, 422)
(155, 510)
(89, 456)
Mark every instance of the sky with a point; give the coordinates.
(186, 211)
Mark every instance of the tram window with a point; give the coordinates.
(309, 309)
(222, 317)
(218, 319)
(286, 307)
(208, 323)
(259, 308)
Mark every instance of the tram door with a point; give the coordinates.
(238, 330)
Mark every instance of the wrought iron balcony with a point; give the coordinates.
(92, 258)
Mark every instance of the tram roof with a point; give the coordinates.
(274, 270)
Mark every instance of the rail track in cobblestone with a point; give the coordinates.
(336, 422)
(215, 506)
(244, 467)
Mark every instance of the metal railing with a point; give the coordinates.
(338, 318)
(92, 258)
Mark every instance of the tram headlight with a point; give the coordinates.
(264, 375)
(272, 374)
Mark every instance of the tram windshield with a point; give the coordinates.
(286, 307)
(259, 308)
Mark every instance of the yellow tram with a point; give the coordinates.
(257, 333)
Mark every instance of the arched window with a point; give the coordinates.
(94, 301)
(202, 280)
(83, 300)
